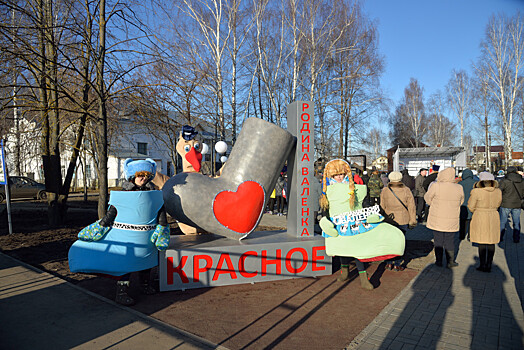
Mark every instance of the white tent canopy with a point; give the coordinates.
(414, 159)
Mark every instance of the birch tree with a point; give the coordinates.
(210, 18)
(414, 111)
(441, 130)
(375, 139)
(357, 68)
(241, 19)
(293, 23)
(482, 108)
(458, 96)
(270, 52)
(502, 59)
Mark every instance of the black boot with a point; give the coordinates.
(482, 258)
(489, 259)
(516, 235)
(450, 257)
(439, 253)
(121, 294)
(146, 286)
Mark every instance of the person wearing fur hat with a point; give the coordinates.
(128, 237)
(444, 198)
(484, 201)
(397, 199)
(338, 179)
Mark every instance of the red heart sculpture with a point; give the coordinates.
(239, 211)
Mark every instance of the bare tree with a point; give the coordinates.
(357, 69)
(458, 94)
(501, 61)
(240, 23)
(482, 108)
(409, 120)
(295, 30)
(375, 139)
(441, 131)
(214, 34)
(270, 52)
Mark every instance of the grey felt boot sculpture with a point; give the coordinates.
(233, 204)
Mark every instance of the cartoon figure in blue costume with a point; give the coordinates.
(128, 237)
(353, 232)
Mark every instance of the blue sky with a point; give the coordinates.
(427, 39)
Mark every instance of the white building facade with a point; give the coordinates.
(128, 140)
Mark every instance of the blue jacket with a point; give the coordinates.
(127, 247)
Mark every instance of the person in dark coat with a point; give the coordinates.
(418, 193)
(375, 185)
(433, 173)
(408, 180)
(279, 194)
(500, 175)
(512, 188)
(365, 178)
(467, 184)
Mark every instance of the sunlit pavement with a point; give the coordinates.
(441, 308)
(40, 311)
(459, 308)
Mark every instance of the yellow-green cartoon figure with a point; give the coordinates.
(350, 230)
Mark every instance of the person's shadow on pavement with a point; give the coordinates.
(421, 318)
(491, 330)
(511, 252)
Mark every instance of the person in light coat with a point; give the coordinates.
(402, 208)
(484, 200)
(444, 198)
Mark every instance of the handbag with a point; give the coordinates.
(521, 199)
(388, 218)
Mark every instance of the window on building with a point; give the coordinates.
(142, 147)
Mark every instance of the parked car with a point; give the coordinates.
(23, 187)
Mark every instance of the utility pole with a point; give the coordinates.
(489, 152)
(476, 156)
(487, 142)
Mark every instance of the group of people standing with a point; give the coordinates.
(468, 206)
(277, 200)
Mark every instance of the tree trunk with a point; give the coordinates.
(49, 113)
(102, 115)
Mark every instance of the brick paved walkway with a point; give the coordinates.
(458, 308)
